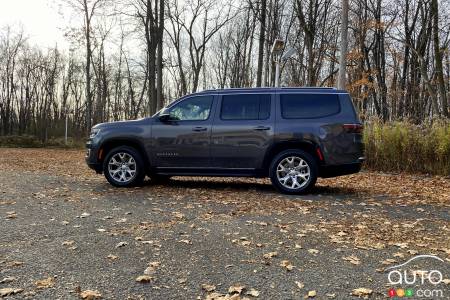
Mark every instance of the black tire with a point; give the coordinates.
(139, 174)
(157, 178)
(306, 185)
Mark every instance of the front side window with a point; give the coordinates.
(245, 107)
(304, 106)
(193, 109)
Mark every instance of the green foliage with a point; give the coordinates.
(29, 141)
(402, 146)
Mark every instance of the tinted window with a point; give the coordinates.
(295, 106)
(192, 109)
(245, 107)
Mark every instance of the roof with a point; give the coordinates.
(330, 90)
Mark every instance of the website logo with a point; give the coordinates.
(410, 281)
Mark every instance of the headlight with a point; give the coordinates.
(94, 132)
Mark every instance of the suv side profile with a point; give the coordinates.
(292, 135)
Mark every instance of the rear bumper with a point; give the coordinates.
(339, 170)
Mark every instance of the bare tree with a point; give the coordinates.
(89, 9)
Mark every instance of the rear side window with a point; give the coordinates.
(245, 107)
(303, 106)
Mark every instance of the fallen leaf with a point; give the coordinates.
(388, 261)
(15, 264)
(11, 215)
(9, 291)
(178, 215)
(90, 295)
(144, 278)
(286, 264)
(311, 294)
(154, 264)
(68, 243)
(313, 251)
(8, 279)
(352, 259)
(217, 296)
(299, 284)
(236, 289)
(270, 255)
(121, 244)
(45, 283)
(362, 292)
(187, 242)
(253, 293)
(208, 287)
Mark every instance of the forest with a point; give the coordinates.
(129, 58)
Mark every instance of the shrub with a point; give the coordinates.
(402, 146)
(28, 141)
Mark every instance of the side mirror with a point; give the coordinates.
(164, 117)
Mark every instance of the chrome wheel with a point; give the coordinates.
(122, 167)
(293, 172)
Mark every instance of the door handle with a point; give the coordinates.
(260, 128)
(198, 129)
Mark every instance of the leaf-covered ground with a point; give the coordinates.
(65, 233)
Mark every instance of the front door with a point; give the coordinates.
(243, 131)
(183, 141)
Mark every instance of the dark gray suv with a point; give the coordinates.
(292, 135)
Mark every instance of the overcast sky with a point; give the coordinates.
(40, 19)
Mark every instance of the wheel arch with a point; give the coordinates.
(308, 146)
(110, 144)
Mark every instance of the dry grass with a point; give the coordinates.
(405, 147)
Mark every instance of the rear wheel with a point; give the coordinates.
(124, 167)
(293, 171)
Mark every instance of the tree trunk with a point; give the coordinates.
(438, 57)
(159, 59)
(88, 66)
(344, 45)
(262, 37)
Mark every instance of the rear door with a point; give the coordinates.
(242, 131)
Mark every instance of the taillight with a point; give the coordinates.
(353, 128)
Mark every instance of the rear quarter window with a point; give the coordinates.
(305, 106)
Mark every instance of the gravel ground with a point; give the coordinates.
(64, 231)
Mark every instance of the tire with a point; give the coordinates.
(293, 164)
(131, 166)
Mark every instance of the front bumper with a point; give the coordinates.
(91, 158)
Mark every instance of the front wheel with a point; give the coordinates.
(293, 171)
(123, 167)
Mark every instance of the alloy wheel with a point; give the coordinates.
(293, 172)
(122, 167)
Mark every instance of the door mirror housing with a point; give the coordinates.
(164, 117)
